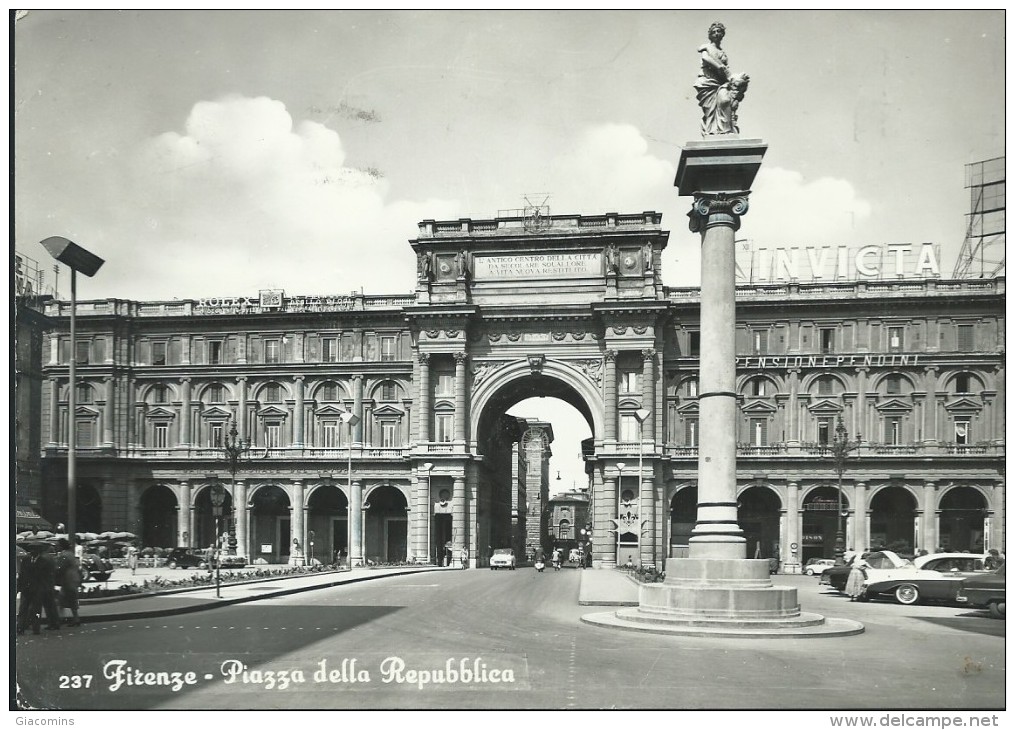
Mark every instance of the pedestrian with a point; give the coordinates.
(68, 577)
(854, 583)
(37, 584)
(993, 560)
(556, 559)
(132, 559)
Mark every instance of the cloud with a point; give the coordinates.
(246, 198)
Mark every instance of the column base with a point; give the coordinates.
(723, 598)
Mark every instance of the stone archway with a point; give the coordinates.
(758, 516)
(386, 525)
(270, 524)
(206, 526)
(892, 520)
(158, 517)
(683, 515)
(821, 520)
(961, 519)
(327, 524)
(89, 509)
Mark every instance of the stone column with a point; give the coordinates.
(791, 557)
(930, 410)
(458, 497)
(356, 524)
(184, 412)
(648, 393)
(421, 529)
(107, 413)
(460, 416)
(134, 510)
(861, 534)
(929, 536)
(792, 406)
(241, 516)
(610, 422)
(54, 412)
(604, 533)
(241, 415)
(996, 506)
(298, 526)
(357, 407)
(860, 422)
(298, 416)
(184, 529)
(423, 413)
(716, 535)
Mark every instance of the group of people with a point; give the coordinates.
(40, 573)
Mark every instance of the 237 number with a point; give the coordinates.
(75, 681)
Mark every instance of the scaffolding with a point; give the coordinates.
(982, 253)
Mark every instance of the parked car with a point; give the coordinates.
(95, 567)
(931, 578)
(187, 558)
(983, 591)
(232, 561)
(817, 566)
(503, 558)
(881, 559)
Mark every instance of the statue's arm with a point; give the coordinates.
(708, 58)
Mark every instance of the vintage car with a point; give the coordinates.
(817, 566)
(502, 558)
(881, 559)
(180, 557)
(985, 590)
(931, 578)
(95, 567)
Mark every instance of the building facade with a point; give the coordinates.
(568, 307)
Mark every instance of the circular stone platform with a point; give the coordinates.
(802, 626)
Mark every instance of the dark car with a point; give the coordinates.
(95, 567)
(984, 591)
(882, 559)
(187, 558)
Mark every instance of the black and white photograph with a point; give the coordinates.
(508, 360)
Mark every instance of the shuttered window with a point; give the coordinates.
(965, 337)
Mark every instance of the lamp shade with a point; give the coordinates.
(69, 253)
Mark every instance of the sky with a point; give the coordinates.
(216, 153)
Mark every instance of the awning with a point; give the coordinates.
(27, 518)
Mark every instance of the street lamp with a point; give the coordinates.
(428, 467)
(619, 495)
(77, 259)
(841, 447)
(218, 497)
(350, 419)
(235, 447)
(641, 414)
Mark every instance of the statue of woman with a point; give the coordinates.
(719, 89)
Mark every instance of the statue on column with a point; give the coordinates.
(426, 266)
(720, 91)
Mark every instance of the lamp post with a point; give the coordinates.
(235, 447)
(428, 467)
(841, 447)
(77, 259)
(641, 415)
(218, 497)
(620, 493)
(350, 419)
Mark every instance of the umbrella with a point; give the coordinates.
(108, 535)
(23, 535)
(123, 536)
(86, 536)
(43, 534)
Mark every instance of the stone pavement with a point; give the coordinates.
(607, 588)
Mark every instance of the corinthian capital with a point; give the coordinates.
(717, 209)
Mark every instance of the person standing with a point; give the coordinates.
(854, 582)
(68, 576)
(132, 559)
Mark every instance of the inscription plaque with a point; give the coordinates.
(538, 266)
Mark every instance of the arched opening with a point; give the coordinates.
(962, 512)
(893, 512)
(270, 528)
(386, 534)
(758, 516)
(327, 525)
(89, 509)
(821, 522)
(206, 523)
(158, 517)
(683, 514)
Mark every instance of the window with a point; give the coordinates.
(160, 432)
(445, 427)
(564, 530)
(387, 349)
(691, 388)
(215, 393)
(388, 437)
(962, 381)
(272, 350)
(159, 353)
(272, 434)
(964, 337)
(895, 339)
(693, 344)
(962, 434)
(84, 433)
(757, 388)
(628, 427)
(387, 391)
(691, 433)
(272, 393)
(159, 394)
(827, 340)
(759, 342)
(445, 383)
(893, 384)
(824, 430)
(629, 382)
(83, 393)
(330, 434)
(328, 391)
(214, 352)
(81, 352)
(893, 430)
(826, 386)
(329, 349)
(215, 432)
(759, 432)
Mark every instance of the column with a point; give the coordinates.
(356, 524)
(241, 415)
(134, 509)
(54, 411)
(861, 525)
(184, 412)
(646, 514)
(421, 524)
(241, 516)
(996, 506)
(184, 528)
(930, 409)
(298, 526)
(792, 406)
(460, 416)
(458, 520)
(611, 397)
(648, 393)
(716, 535)
(604, 543)
(647, 536)
(357, 407)
(929, 534)
(107, 413)
(997, 427)
(424, 398)
(298, 415)
(791, 557)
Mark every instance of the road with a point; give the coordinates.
(518, 627)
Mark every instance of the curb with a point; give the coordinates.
(217, 602)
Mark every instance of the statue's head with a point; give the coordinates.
(738, 85)
(716, 31)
